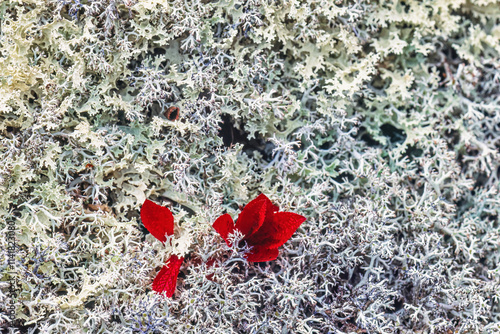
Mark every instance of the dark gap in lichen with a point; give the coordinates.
(395, 135)
(154, 109)
(481, 180)
(25, 329)
(90, 305)
(413, 152)
(182, 274)
(61, 292)
(115, 318)
(453, 137)
(159, 52)
(135, 63)
(309, 309)
(231, 135)
(398, 304)
(377, 82)
(120, 84)
(342, 176)
(11, 129)
(350, 325)
(367, 138)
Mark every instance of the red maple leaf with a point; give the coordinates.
(160, 222)
(263, 227)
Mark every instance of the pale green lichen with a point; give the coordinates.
(378, 121)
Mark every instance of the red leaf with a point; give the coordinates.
(166, 280)
(262, 254)
(157, 219)
(264, 228)
(224, 225)
(252, 216)
(271, 208)
(276, 232)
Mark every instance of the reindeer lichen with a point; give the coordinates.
(378, 121)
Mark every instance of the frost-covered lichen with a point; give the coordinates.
(376, 120)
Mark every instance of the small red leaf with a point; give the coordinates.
(263, 228)
(166, 280)
(271, 208)
(252, 216)
(224, 225)
(262, 254)
(157, 219)
(278, 231)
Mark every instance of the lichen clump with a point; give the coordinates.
(378, 121)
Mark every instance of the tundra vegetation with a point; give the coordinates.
(378, 121)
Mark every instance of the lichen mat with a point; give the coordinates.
(377, 121)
